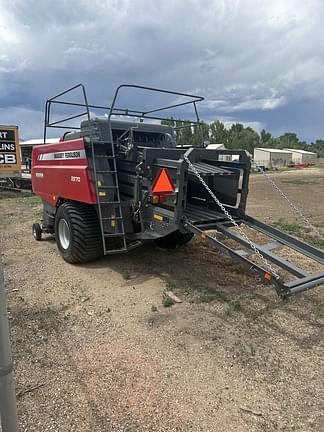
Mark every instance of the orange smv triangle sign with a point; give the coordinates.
(162, 183)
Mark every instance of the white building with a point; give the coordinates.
(216, 147)
(219, 147)
(26, 147)
(272, 158)
(38, 141)
(236, 157)
(303, 156)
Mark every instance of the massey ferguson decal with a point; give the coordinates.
(64, 155)
(9, 151)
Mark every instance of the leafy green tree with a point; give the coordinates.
(241, 137)
(218, 133)
(238, 137)
(184, 133)
(289, 140)
(265, 137)
(201, 133)
(317, 147)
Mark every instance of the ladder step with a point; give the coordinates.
(100, 146)
(115, 251)
(134, 244)
(129, 246)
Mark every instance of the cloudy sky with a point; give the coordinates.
(259, 62)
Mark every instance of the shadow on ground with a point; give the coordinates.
(224, 291)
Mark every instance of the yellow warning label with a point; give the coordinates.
(102, 193)
(158, 217)
(113, 221)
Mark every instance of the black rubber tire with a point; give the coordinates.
(37, 232)
(17, 184)
(85, 237)
(173, 240)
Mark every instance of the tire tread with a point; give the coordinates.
(85, 232)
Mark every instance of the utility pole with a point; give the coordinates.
(8, 406)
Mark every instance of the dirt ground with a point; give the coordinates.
(95, 349)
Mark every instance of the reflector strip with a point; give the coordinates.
(162, 183)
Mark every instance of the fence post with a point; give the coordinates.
(8, 406)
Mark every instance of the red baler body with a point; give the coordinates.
(60, 171)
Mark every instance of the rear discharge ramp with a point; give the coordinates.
(201, 221)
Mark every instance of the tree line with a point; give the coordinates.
(239, 137)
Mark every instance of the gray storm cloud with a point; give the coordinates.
(252, 60)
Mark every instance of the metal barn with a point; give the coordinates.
(303, 156)
(272, 158)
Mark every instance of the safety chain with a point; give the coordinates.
(231, 219)
(291, 204)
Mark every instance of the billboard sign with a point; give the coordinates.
(10, 164)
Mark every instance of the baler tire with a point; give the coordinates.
(174, 240)
(17, 184)
(37, 232)
(80, 222)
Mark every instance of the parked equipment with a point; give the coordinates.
(112, 184)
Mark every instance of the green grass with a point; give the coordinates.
(22, 207)
(167, 301)
(125, 274)
(236, 305)
(300, 231)
(211, 295)
(30, 200)
(208, 295)
(171, 284)
(200, 293)
(290, 228)
(20, 197)
(317, 242)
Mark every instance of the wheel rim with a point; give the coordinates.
(64, 234)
